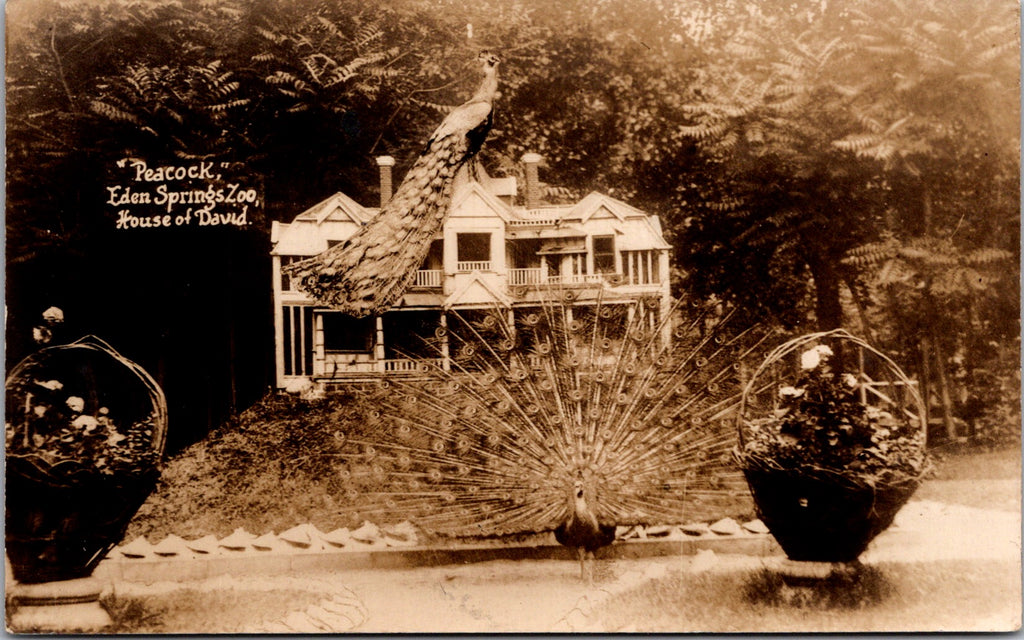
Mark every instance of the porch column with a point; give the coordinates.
(512, 321)
(378, 346)
(319, 354)
(446, 362)
(278, 323)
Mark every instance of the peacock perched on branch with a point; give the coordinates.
(372, 269)
(569, 416)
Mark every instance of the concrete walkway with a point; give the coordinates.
(546, 595)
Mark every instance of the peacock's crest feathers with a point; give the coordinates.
(606, 393)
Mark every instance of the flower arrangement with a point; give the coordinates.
(820, 425)
(57, 428)
(82, 409)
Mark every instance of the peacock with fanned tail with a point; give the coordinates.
(371, 270)
(569, 416)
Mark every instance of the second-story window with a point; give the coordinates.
(474, 251)
(604, 254)
(286, 281)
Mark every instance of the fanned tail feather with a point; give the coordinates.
(565, 393)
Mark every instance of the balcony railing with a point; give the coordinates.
(519, 277)
(537, 278)
(475, 265)
(428, 279)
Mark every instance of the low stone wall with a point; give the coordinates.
(304, 551)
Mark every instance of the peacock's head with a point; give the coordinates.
(578, 490)
(489, 60)
(581, 495)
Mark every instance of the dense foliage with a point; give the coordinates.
(822, 163)
(270, 468)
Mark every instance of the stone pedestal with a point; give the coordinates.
(69, 606)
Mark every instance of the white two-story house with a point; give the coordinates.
(491, 254)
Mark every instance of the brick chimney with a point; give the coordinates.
(385, 163)
(531, 160)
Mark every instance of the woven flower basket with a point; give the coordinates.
(825, 478)
(85, 430)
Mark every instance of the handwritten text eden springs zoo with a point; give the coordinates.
(179, 195)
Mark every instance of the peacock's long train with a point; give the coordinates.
(372, 269)
(567, 418)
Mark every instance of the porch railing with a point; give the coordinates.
(428, 278)
(578, 278)
(474, 265)
(407, 365)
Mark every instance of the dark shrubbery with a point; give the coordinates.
(269, 469)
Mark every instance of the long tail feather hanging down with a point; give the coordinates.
(372, 269)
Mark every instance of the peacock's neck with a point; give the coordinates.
(488, 88)
(582, 511)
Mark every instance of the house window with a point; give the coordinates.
(287, 284)
(347, 334)
(604, 254)
(473, 251)
(640, 267)
(298, 340)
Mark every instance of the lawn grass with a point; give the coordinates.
(977, 464)
(975, 478)
(949, 595)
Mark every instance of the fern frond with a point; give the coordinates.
(987, 256)
(111, 112)
(224, 106)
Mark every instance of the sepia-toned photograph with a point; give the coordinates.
(512, 316)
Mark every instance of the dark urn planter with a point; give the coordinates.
(85, 432)
(61, 531)
(824, 520)
(832, 444)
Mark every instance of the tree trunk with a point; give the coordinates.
(944, 397)
(827, 306)
(862, 311)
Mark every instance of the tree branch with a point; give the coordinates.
(60, 67)
(401, 105)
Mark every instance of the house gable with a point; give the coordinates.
(597, 206)
(476, 290)
(471, 200)
(310, 232)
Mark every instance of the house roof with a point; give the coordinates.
(338, 206)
